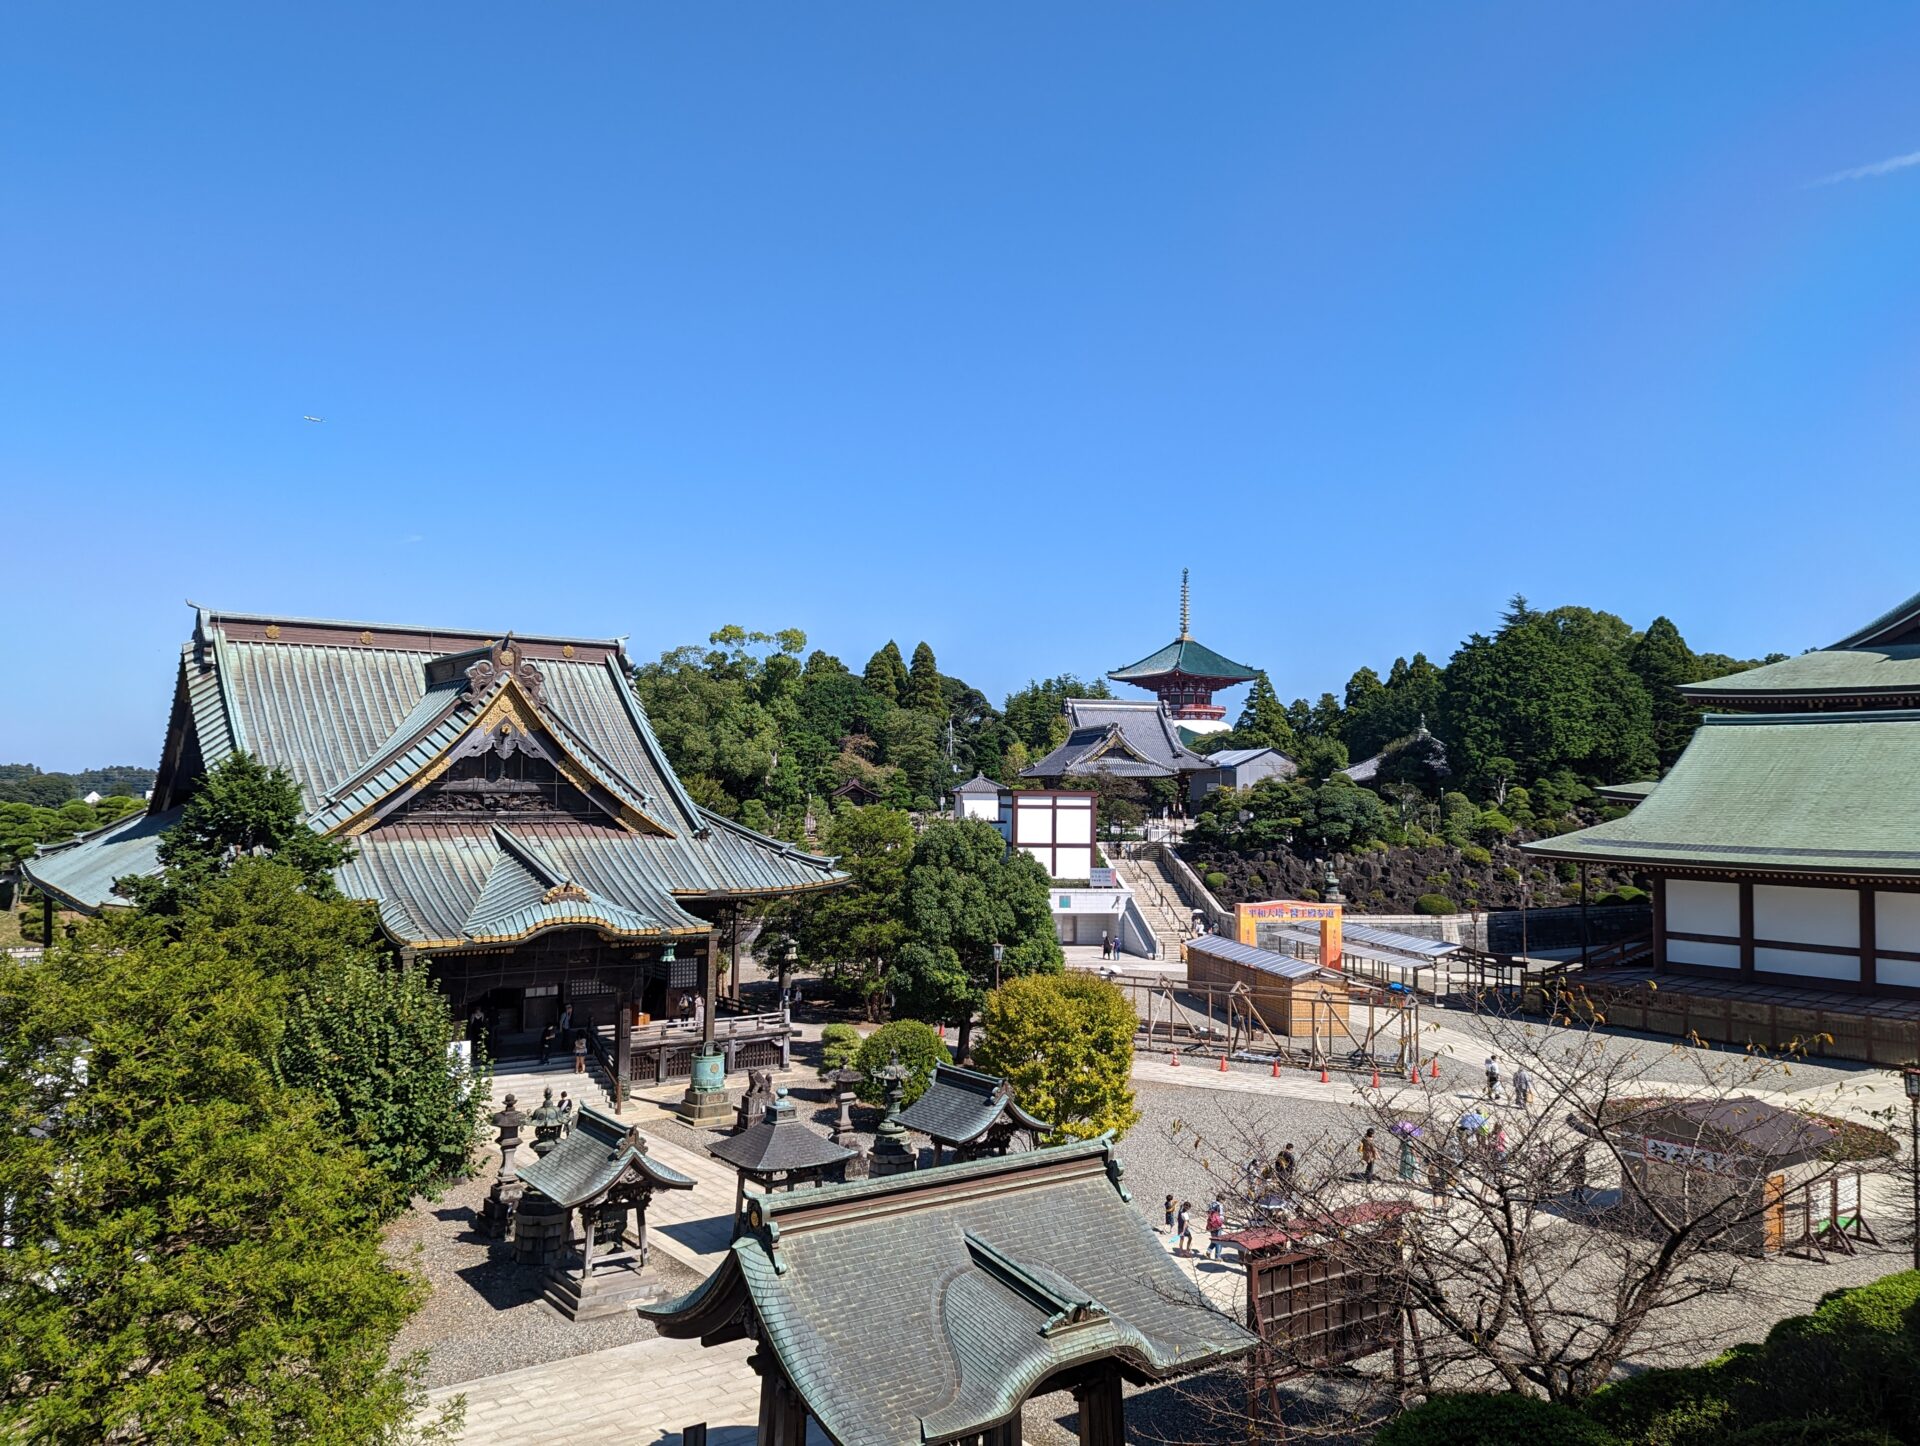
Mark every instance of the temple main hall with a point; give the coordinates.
(512, 817)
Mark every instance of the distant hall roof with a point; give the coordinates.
(1129, 739)
(1189, 658)
(1877, 666)
(961, 1105)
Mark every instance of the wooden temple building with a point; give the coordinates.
(1782, 853)
(511, 814)
(929, 1306)
(1186, 673)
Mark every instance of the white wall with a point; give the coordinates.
(1896, 922)
(1904, 972)
(1805, 916)
(1072, 863)
(1698, 906)
(1073, 825)
(1692, 951)
(979, 805)
(1814, 966)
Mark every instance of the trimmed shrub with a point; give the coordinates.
(1435, 904)
(920, 1048)
(1215, 880)
(1668, 1407)
(1476, 855)
(839, 1044)
(1490, 1420)
(1813, 1431)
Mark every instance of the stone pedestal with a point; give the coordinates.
(893, 1152)
(496, 1216)
(612, 1290)
(705, 1103)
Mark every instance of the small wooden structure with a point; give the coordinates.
(972, 1114)
(1756, 1170)
(601, 1177)
(1291, 995)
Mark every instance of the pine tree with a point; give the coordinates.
(1263, 719)
(923, 682)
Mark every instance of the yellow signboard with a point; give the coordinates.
(1249, 917)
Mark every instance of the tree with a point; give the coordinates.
(1032, 712)
(372, 1042)
(853, 934)
(240, 808)
(923, 682)
(1065, 1043)
(965, 892)
(1661, 660)
(1554, 1254)
(194, 1251)
(886, 674)
(917, 1046)
(1263, 721)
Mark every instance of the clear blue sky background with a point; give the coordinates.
(964, 322)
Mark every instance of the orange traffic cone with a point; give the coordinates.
(1325, 1078)
(1173, 1059)
(1376, 1077)
(1413, 1075)
(1276, 1069)
(1434, 1072)
(1223, 1064)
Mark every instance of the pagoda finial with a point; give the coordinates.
(1184, 634)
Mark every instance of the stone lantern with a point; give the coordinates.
(893, 1152)
(496, 1216)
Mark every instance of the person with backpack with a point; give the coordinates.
(1216, 1227)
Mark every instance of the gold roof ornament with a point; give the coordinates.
(273, 632)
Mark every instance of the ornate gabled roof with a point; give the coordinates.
(1877, 666)
(981, 784)
(600, 1153)
(779, 1141)
(926, 1306)
(1129, 739)
(1188, 659)
(959, 1106)
(370, 718)
(1819, 793)
(1897, 626)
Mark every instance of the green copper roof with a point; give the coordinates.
(1184, 655)
(1809, 792)
(1898, 624)
(926, 1306)
(599, 1153)
(1839, 674)
(362, 717)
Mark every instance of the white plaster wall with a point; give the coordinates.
(1032, 825)
(980, 805)
(1073, 825)
(1812, 966)
(1692, 951)
(1904, 972)
(1805, 916)
(1072, 863)
(1896, 922)
(1700, 906)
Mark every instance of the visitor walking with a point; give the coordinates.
(569, 1108)
(547, 1038)
(1406, 1158)
(580, 1052)
(1216, 1227)
(1286, 1166)
(1493, 1077)
(1369, 1155)
(1170, 1208)
(1184, 1229)
(1522, 1086)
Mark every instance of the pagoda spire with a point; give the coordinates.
(1185, 636)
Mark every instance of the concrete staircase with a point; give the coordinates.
(1159, 901)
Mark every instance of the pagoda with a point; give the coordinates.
(1186, 674)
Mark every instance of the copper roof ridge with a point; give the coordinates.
(216, 616)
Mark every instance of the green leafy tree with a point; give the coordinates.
(923, 682)
(194, 1251)
(853, 934)
(917, 1045)
(1032, 712)
(240, 809)
(1065, 1043)
(372, 1041)
(965, 892)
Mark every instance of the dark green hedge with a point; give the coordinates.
(1489, 1420)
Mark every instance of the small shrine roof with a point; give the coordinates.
(927, 1306)
(961, 1105)
(780, 1141)
(1807, 793)
(1745, 1124)
(593, 1159)
(980, 783)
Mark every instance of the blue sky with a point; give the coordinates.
(972, 323)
